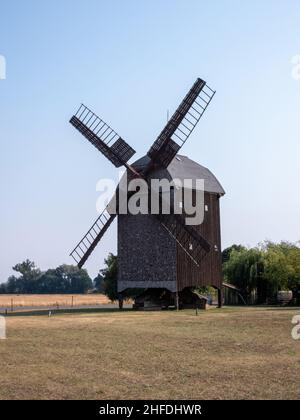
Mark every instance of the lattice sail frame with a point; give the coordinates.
(182, 124)
(88, 243)
(102, 136)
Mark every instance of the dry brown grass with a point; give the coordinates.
(221, 354)
(23, 301)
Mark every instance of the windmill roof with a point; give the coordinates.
(182, 168)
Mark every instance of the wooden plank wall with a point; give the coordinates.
(210, 271)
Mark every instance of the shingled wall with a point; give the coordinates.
(146, 254)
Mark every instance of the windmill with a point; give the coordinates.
(189, 244)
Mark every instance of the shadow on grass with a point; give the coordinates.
(65, 311)
(103, 310)
(233, 308)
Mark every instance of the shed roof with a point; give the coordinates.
(182, 168)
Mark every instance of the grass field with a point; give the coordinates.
(240, 353)
(23, 301)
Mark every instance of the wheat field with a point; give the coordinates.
(51, 301)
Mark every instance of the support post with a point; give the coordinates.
(121, 301)
(220, 297)
(177, 300)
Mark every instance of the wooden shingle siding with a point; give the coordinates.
(146, 254)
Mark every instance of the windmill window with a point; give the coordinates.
(191, 247)
(206, 207)
(216, 248)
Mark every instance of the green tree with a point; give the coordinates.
(76, 280)
(267, 269)
(227, 251)
(27, 281)
(51, 282)
(3, 288)
(244, 269)
(99, 283)
(65, 279)
(282, 265)
(110, 277)
(26, 268)
(12, 286)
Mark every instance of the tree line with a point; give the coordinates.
(60, 280)
(265, 269)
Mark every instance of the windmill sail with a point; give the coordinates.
(194, 245)
(88, 243)
(102, 136)
(182, 124)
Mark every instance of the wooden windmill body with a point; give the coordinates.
(159, 251)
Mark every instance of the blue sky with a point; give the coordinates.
(131, 62)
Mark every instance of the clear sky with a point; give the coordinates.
(131, 61)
